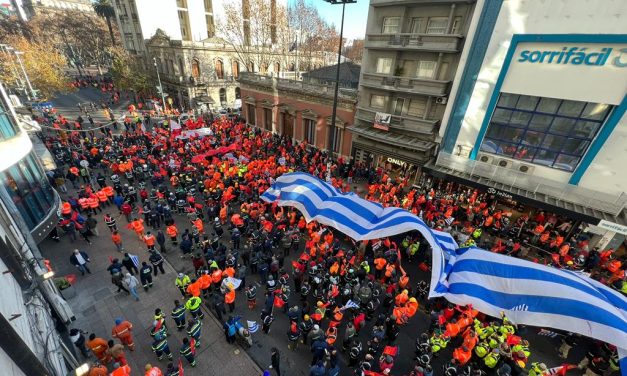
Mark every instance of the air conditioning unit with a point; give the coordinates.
(504, 163)
(441, 100)
(525, 168)
(485, 158)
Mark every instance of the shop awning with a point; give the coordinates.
(541, 200)
(378, 148)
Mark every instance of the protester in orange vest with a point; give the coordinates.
(122, 370)
(193, 288)
(172, 232)
(149, 239)
(138, 226)
(461, 355)
(99, 347)
(97, 369)
(229, 299)
(123, 331)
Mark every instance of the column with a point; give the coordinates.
(449, 24)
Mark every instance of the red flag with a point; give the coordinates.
(192, 345)
(181, 367)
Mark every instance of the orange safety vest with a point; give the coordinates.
(108, 191)
(380, 263)
(216, 276)
(229, 297)
(229, 272)
(149, 240)
(172, 231)
(204, 281)
(117, 239)
(102, 196)
(84, 203)
(93, 202)
(193, 289)
(122, 371)
(199, 225)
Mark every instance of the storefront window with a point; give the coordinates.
(30, 190)
(546, 131)
(7, 129)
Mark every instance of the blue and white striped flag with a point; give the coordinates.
(252, 326)
(354, 216)
(531, 294)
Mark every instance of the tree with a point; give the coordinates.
(81, 36)
(44, 65)
(251, 30)
(355, 51)
(104, 9)
(127, 73)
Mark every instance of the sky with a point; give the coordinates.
(354, 19)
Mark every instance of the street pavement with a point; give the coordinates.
(97, 305)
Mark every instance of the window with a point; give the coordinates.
(426, 69)
(195, 68)
(437, 25)
(416, 25)
(391, 25)
(238, 93)
(398, 106)
(7, 129)
(211, 29)
(223, 97)
(417, 107)
(310, 131)
(251, 114)
(184, 22)
(219, 70)
(235, 68)
(251, 67)
(267, 119)
(29, 189)
(277, 67)
(377, 101)
(457, 22)
(546, 131)
(384, 65)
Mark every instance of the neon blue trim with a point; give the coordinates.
(605, 132)
(478, 48)
(540, 38)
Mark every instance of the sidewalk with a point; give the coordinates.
(96, 305)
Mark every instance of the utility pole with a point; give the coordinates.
(154, 59)
(337, 72)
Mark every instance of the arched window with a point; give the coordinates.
(219, 69)
(251, 67)
(277, 67)
(238, 94)
(223, 97)
(291, 67)
(264, 68)
(235, 68)
(195, 68)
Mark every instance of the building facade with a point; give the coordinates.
(24, 186)
(299, 110)
(412, 50)
(31, 305)
(538, 109)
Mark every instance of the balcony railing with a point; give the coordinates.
(287, 84)
(405, 123)
(418, 42)
(416, 85)
(608, 203)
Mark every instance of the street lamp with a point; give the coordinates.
(337, 73)
(154, 59)
(30, 87)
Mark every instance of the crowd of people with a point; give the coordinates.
(346, 301)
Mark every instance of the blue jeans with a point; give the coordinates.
(133, 291)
